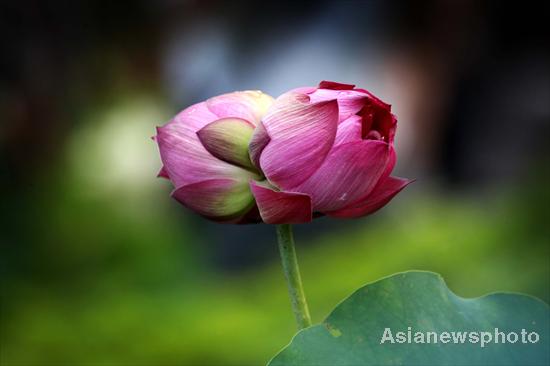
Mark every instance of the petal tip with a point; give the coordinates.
(163, 173)
(325, 84)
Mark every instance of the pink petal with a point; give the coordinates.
(335, 86)
(392, 160)
(278, 207)
(228, 139)
(349, 172)
(163, 173)
(259, 141)
(384, 191)
(185, 158)
(217, 199)
(195, 117)
(350, 102)
(302, 134)
(349, 130)
(248, 105)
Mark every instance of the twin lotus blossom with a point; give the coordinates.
(245, 157)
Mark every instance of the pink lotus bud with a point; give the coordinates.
(326, 150)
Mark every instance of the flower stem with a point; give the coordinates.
(292, 274)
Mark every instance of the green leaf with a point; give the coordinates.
(352, 333)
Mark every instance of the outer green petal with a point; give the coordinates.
(217, 199)
(228, 139)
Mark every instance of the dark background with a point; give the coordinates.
(100, 266)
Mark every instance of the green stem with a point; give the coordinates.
(292, 274)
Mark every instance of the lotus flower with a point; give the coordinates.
(244, 157)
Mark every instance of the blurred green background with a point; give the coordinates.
(100, 267)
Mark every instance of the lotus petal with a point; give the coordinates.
(259, 141)
(335, 86)
(349, 172)
(249, 105)
(195, 117)
(350, 102)
(302, 134)
(277, 207)
(384, 191)
(217, 199)
(349, 130)
(187, 161)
